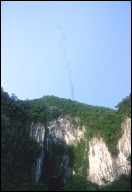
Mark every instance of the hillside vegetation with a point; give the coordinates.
(19, 151)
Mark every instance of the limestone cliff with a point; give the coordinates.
(38, 132)
(103, 168)
(64, 129)
(124, 146)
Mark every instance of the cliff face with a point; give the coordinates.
(103, 167)
(58, 135)
(124, 146)
(64, 129)
(38, 132)
(54, 164)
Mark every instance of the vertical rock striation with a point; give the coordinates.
(37, 131)
(63, 133)
(124, 146)
(55, 140)
(103, 168)
(65, 130)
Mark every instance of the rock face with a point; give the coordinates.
(53, 164)
(38, 132)
(59, 135)
(124, 146)
(63, 129)
(100, 162)
(103, 168)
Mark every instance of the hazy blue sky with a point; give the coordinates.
(70, 49)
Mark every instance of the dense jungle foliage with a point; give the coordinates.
(19, 151)
(123, 184)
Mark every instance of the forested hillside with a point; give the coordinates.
(19, 151)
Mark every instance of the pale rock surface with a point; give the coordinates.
(63, 129)
(100, 162)
(37, 131)
(124, 146)
(103, 168)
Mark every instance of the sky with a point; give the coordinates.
(78, 50)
